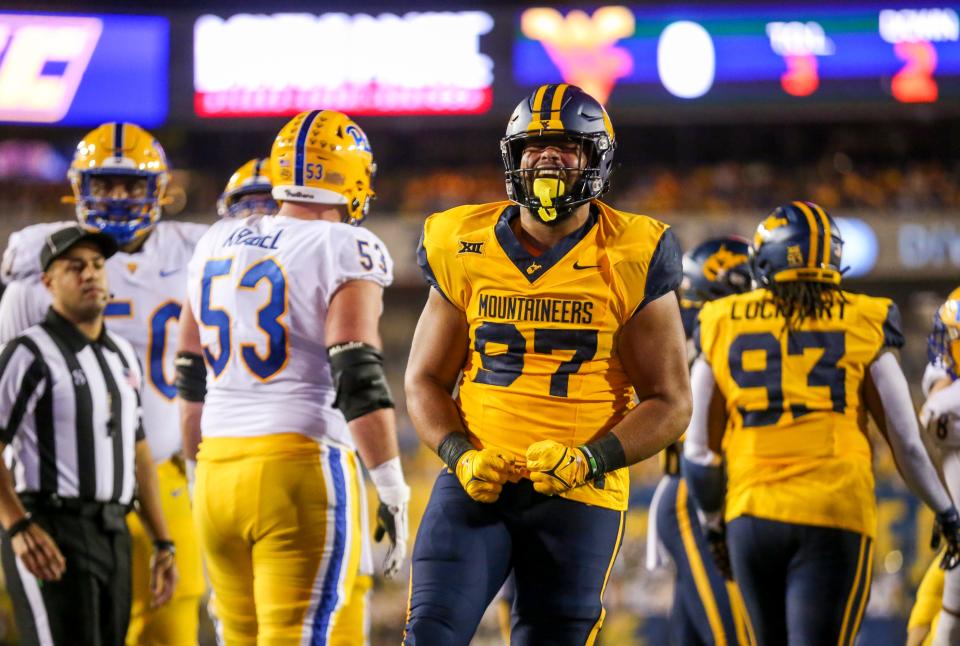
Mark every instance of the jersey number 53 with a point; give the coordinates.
(269, 318)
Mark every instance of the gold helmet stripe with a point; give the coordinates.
(540, 117)
(826, 233)
(557, 102)
(814, 233)
(537, 106)
(257, 166)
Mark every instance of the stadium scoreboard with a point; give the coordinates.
(746, 59)
(784, 54)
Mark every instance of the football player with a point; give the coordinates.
(248, 191)
(119, 177)
(940, 416)
(555, 307)
(707, 608)
(280, 373)
(785, 373)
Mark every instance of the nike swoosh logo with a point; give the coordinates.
(164, 274)
(577, 265)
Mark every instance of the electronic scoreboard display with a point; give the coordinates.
(738, 54)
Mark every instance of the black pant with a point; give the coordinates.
(90, 604)
(560, 552)
(802, 585)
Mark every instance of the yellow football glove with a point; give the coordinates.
(482, 474)
(555, 468)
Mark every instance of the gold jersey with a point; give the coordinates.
(543, 360)
(795, 443)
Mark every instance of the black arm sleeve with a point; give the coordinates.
(665, 272)
(892, 328)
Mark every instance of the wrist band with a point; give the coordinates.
(389, 474)
(19, 526)
(161, 545)
(452, 447)
(604, 455)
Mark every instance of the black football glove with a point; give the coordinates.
(716, 535)
(947, 526)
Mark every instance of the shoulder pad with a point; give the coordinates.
(444, 228)
(645, 255)
(189, 232)
(356, 253)
(21, 259)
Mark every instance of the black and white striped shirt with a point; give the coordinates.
(70, 411)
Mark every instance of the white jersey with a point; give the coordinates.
(147, 291)
(943, 407)
(259, 289)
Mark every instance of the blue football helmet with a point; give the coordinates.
(715, 268)
(565, 114)
(798, 241)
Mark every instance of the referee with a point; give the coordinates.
(70, 411)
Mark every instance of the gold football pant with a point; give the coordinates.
(175, 623)
(926, 609)
(279, 520)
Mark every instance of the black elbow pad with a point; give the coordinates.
(191, 379)
(358, 376)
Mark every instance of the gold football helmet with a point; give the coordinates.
(943, 344)
(323, 157)
(119, 150)
(248, 191)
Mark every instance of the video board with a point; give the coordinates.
(70, 69)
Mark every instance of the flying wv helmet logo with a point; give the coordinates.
(763, 231)
(721, 261)
(358, 136)
(584, 47)
(42, 62)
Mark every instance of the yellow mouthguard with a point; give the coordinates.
(547, 189)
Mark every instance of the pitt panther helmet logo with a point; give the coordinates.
(470, 247)
(359, 138)
(722, 259)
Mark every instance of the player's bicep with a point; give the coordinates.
(652, 349)
(188, 335)
(872, 401)
(354, 314)
(716, 420)
(439, 346)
